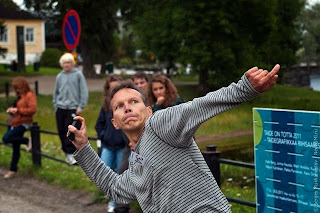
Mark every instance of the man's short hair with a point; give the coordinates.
(127, 83)
(141, 74)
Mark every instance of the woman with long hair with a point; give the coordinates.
(162, 93)
(22, 111)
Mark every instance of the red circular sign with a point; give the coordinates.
(71, 29)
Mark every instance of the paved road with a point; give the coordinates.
(46, 84)
(28, 195)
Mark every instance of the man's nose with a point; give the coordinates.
(127, 108)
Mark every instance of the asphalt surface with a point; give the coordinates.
(28, 195)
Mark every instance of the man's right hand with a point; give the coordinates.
(81, 138)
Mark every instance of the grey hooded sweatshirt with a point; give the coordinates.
(70, 91)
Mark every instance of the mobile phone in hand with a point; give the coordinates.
(76, 124)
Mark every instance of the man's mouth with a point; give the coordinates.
(128, 117)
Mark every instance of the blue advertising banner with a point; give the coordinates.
(287, 160)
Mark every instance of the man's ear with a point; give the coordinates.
(114, 123)
(149, 110)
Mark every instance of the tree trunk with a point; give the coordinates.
(88, 69)
(203, 84)
(103, 67)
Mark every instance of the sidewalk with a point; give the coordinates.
(46, 84)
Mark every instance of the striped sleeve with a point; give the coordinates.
(180, 122)
(117, 187)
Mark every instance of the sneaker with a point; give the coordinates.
(111, 206)
(29, 145)
(9, 175)
(70, 160)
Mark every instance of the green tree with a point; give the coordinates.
(220, 38)
(9, 4)
(311, 33)
(286, 37)
(153, 24)
(97, 26)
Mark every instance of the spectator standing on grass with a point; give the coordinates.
(69, 99)
(162, 93)
(167, 172)
(113, 141)
(21, 115)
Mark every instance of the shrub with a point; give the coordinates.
(126, 62)
(50, 57)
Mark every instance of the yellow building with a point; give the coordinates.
(34, 35)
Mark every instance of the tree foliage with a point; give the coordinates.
(311, 33)
(8, 4)
(221, 39)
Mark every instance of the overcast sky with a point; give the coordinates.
(313, 1)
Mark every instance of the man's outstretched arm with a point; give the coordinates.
(179, 123)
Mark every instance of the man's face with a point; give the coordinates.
(141, 83)
(129, 112)
(67, 66)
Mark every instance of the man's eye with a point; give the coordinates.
(134, 101)
(119, 106)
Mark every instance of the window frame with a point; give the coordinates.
(7, 34)
(33, 35)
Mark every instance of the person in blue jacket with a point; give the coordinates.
(113, 141)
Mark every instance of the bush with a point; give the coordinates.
(50, 58)
(125, 62)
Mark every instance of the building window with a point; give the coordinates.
(4, 35)
(30, 34)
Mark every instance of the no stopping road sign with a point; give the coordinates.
(71, 29)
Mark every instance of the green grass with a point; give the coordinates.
(236, 182)
(186, 78)
(281, 97)
(3, 81)
(4, 71)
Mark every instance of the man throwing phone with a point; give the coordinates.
(167, 172)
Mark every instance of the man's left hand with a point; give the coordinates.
(81, 138)
(262, 80)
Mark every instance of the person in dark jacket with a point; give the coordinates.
(113, 141)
